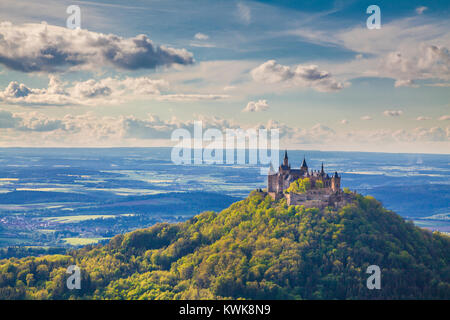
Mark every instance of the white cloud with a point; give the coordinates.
(431, 134)
(89, 92)
(201, 36)
(36, 122)
(191, 97)
(202, 45)
(244, 13)
(408, 49)
(256, 106)
(423, 118)
(48, 48)
(366, 118)
(229, 88)
(32, 128)
(74, 127)
(318, 134)
(439, 84)
(403, 35)
(436, 138)
(444, 118)
(405, 83)
(393, 113)
(31, 121)
(344, 121)
(420, 10)
(201, 41)
(94, 92)
(19, 93)
(426, 63)
(272, 72)
(209, 76)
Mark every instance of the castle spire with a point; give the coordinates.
(286, 160)
(304, 165)
(322, 171)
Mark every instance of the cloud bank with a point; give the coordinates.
(37, 129)
(407, 49)
(256, 106)
(304, 76)
(96, 92)
(48, 48)
(393, 113)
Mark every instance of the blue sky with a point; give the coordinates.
(137, 71)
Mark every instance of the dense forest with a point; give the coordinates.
(255, 249)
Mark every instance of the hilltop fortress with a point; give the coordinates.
(324, 190)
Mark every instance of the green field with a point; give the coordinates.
(83, 241)
(78, 218)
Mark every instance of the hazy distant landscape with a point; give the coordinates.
(65, 197)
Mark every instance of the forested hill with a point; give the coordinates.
(255, 249)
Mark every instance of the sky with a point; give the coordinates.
(136, 71)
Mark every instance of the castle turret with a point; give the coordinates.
(304, 166)
(286, 159)
(335, 182)
(285, 166)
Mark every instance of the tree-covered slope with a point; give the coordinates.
(255, 249)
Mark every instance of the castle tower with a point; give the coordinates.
(335, 182)
(285, 166)
(304, 166)
(286, 159)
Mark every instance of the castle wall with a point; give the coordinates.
(280, 182)
(318, 199)
(275, 195)
(294, 198)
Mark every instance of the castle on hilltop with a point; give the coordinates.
(329, 193)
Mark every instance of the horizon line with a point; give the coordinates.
(280, 149)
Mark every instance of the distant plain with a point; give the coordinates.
(70, 197)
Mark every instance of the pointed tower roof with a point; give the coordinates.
(322, 171)
(304, 165)
(285, 164)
